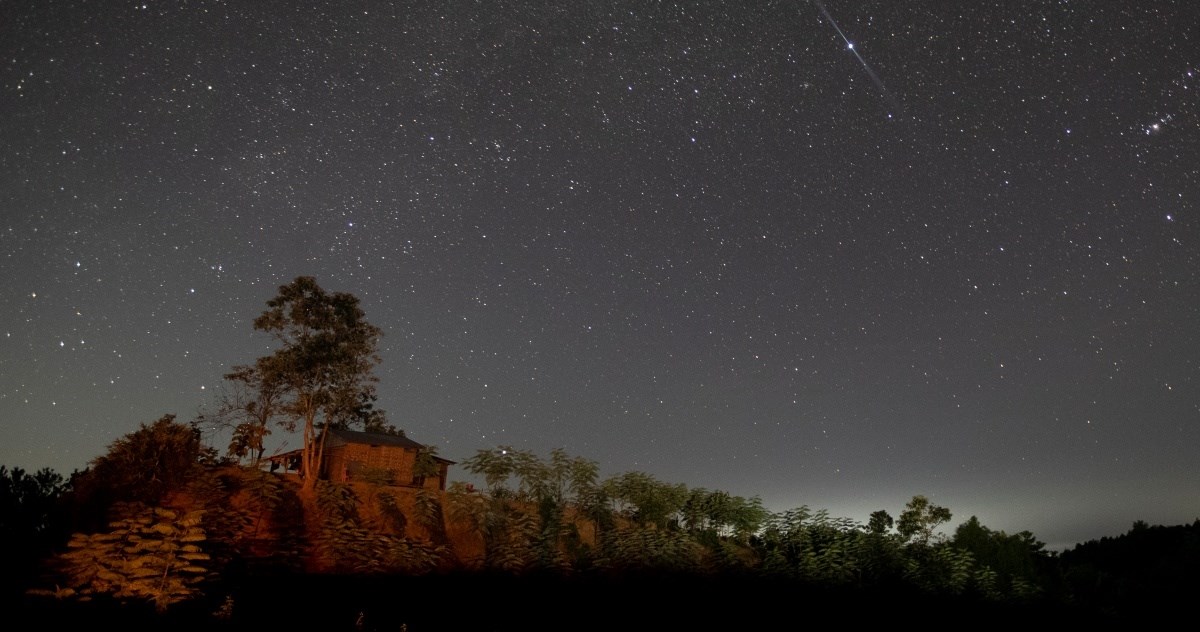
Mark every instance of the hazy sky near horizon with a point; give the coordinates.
(831, 255)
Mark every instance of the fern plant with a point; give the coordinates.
(153, 556)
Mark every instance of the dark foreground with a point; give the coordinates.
(478, 602)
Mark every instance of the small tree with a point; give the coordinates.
(538, 512)
(920, 519)
(248, 410)
(880, 522)
(322, 373)
(143, 466)
(153, 556)
(425, 465)
(643, 499)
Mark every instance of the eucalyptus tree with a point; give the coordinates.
(322, 371)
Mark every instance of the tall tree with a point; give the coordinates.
(322, 372)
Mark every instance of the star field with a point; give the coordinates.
(829, 254)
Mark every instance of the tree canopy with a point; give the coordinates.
(146, 464)
(920, 519)
(321, 376)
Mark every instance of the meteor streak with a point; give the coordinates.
(850, 45)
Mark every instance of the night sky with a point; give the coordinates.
(828, 255)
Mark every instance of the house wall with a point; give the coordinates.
(341, 462)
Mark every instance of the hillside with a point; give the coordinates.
(240, 548)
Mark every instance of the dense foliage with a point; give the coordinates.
(158, 521)
(204, 535)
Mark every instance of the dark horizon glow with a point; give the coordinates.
(675, 238)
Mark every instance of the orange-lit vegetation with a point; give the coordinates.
(162, 522)
(199, 541)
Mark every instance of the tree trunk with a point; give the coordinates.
(309, 466)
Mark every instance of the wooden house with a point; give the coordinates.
(351, 455)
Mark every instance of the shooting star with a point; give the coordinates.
(850, 45)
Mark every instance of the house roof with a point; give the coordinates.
(379, 438)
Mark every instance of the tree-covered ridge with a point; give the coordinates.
(164, 521)
(196, 537)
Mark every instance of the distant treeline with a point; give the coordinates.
(161, 528)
